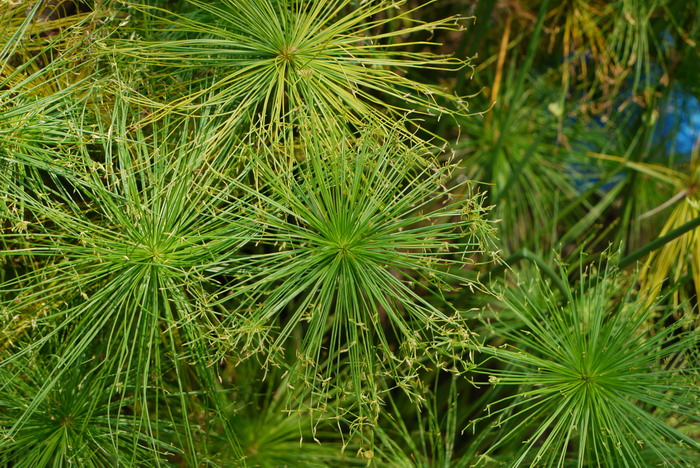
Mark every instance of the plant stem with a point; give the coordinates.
(660, 242)
(526, 254)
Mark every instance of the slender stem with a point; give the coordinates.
(526, 254)
(679, 196)
(660, 242)
(519, 83)
(470, 42)
(525, 69)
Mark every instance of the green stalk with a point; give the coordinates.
(660, 242)
(529, 58)
(525, 254)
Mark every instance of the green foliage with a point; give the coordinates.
(269, 233)
(347, 242)
(415, 435)
(598, 378)
(279, 62)
(76, 422)
(271, 435)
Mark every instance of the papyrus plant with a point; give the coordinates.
(360, 244)
(272, 61)
(596, 379)
(123, 242)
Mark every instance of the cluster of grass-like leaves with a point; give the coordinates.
(250, 233)
(164, 238)
(598, 377)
